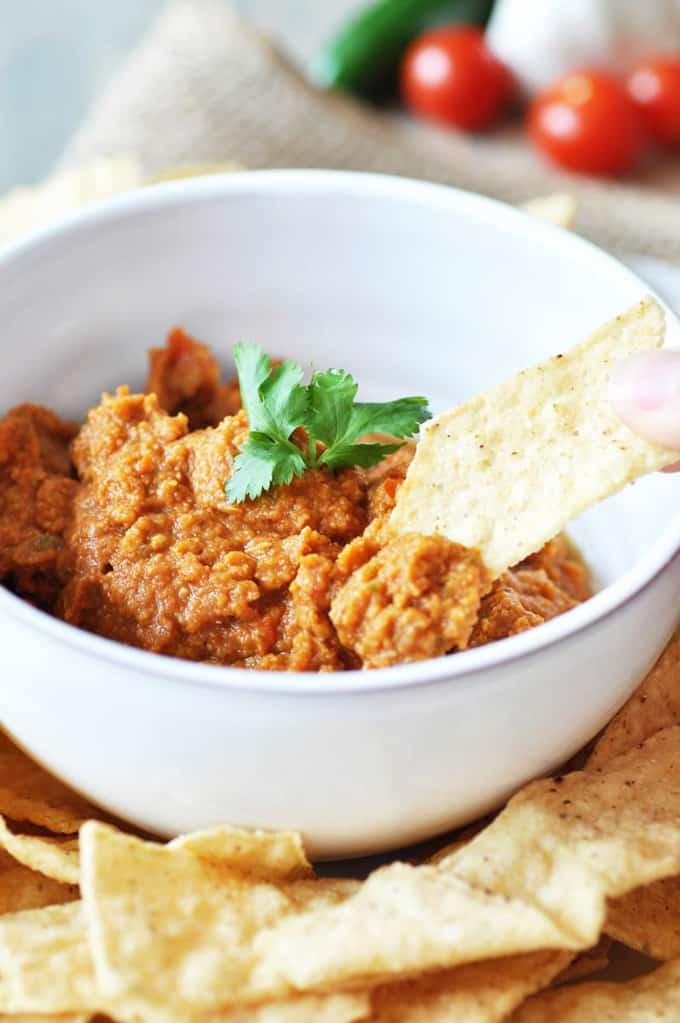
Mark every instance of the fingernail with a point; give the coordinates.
(646, 381)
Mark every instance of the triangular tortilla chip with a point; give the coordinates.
(54, 856)
(648, 918)
(29, 793)
(46, 968)
(549, 431)
(483, 992)
(648, 999)
(654, 705)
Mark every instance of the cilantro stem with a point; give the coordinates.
(290, 444)
(312, 459)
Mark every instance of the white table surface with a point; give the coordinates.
(55, 54)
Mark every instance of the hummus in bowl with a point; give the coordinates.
(123, 527)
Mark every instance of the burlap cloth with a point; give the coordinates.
(206, 87)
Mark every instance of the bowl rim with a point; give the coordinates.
(468, 663)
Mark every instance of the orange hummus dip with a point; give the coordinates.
(122, 527)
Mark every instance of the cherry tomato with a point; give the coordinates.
(654, 87)
(451, 75)
(587, 123)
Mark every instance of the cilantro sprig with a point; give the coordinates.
(277, 403)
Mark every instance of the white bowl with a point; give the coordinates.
(416, 289)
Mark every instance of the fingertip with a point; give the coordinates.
(645, 394)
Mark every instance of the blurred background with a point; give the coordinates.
(55, 54)
(510, 98)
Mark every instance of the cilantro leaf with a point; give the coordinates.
(277, 403)
(261, 463)
(365, 455)
(253, 368)
(331, 396)
(335, 418)
(284, 400)
(274, 401)
(400, 418)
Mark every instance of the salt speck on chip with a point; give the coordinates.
(506, 471)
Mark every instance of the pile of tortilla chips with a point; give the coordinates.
(228, 925)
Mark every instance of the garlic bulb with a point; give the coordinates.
(541, 40)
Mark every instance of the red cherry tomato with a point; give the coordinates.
(587, 123)
(654, 87)
(451, 75)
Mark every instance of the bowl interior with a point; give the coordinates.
(414, 288)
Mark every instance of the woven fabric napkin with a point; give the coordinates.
(204, 86)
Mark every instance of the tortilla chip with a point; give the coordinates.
(198, 170)
(559, 209)
(46, 967)
(463, 837)
(591, 961)
(168, 925)
(648, 919)
(54, 857)
(338, 1008)
(22, 888)
(164, 925)
(588, 832)
(271, 856)
(45, 964)
(29, 793)
(24, 209)
(448, 850)
(648, 999)
(36, 1017)
(654, 705)
(509, 890)
(483, 992)
(478, 468)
